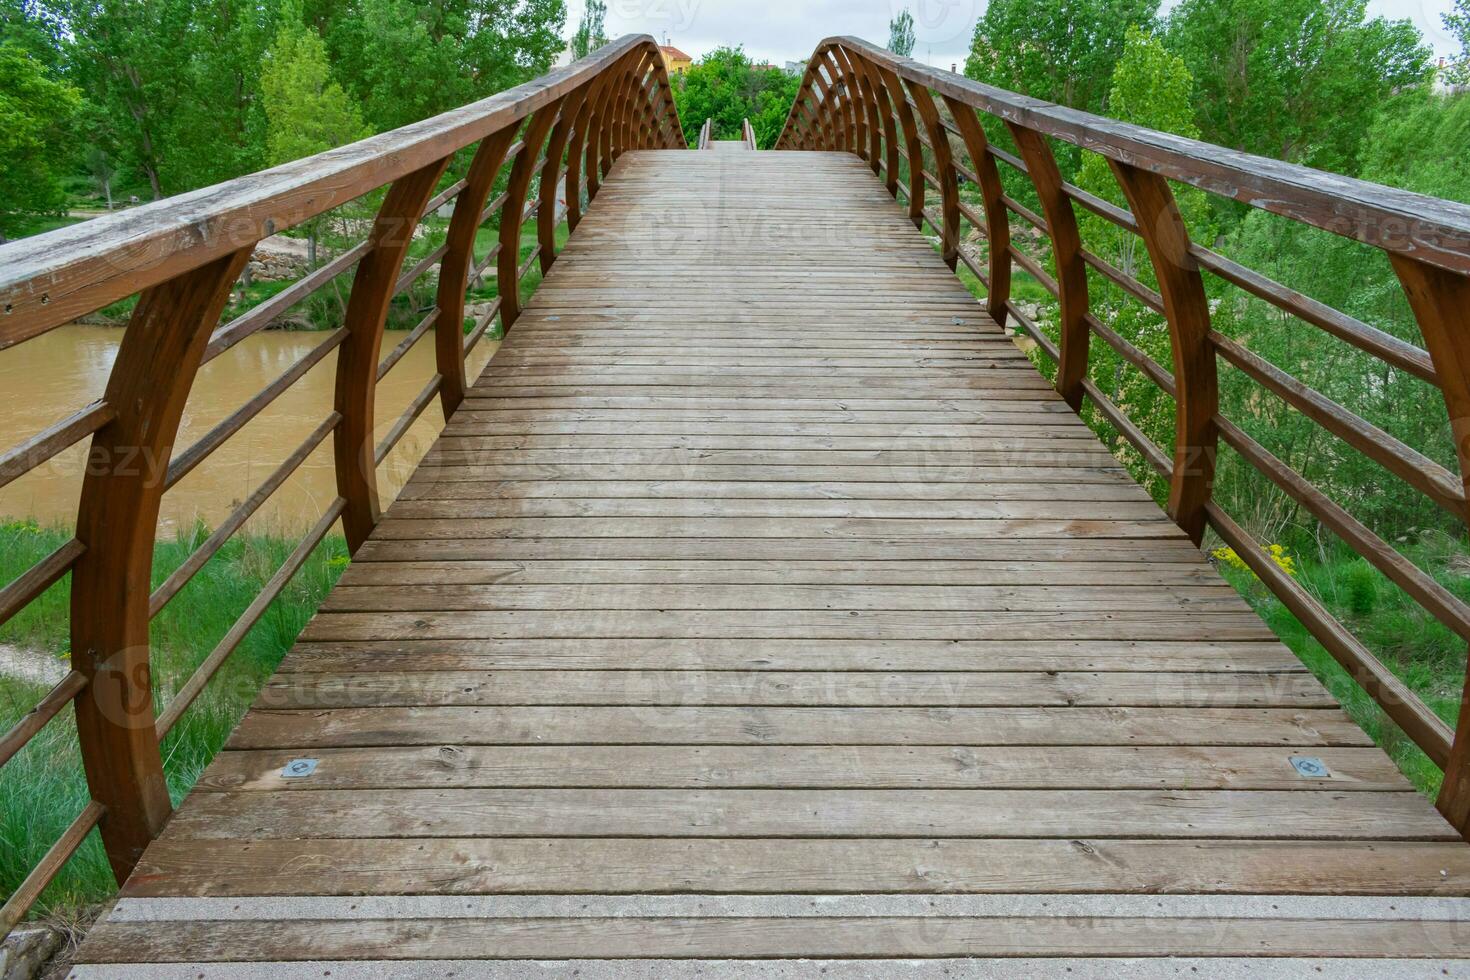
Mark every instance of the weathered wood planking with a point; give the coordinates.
(759, 562)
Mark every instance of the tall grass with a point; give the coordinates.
(43, 788)
(1421, 651)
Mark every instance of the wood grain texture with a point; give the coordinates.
(116, 517)
(759, 562)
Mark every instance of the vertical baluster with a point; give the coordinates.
(117, 520)
(856, 103)
(551, 176)
(997, 220)
(841, 103)
(357, 359)
(586, 119)
(1188, 312)
(870, 106)
(1441, 303)
(949, 191)
(599, 123)
(673, 134)
(1066, 251)
(459, 258)
(508, 262)
(890, 126)
(822, 107)
(913, 147)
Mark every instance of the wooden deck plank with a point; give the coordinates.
(760, 563)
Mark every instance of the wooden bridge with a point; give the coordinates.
(761, 610)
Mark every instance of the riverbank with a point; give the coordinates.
(43, 788)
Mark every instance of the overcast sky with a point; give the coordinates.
(788, 30)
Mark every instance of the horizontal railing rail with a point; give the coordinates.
(920, 130)
(549, 142)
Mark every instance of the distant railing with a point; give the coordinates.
(182, 257)
(747, 133)
(861, 98)
(704, 134)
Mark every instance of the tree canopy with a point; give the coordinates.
(901, 34)
(591, 31)
(1059, 50)
(172, 92)
(36, 111)
(1299, 80)
(307, 112)
(726, 87)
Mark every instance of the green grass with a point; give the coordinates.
(43, 788)
(1422, 652)
(37, 224)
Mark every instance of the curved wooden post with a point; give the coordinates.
(117, 520)
(806, 135)
(357, 359)
(1066, 251)
(873, 127)
(551, 176)
(632, 105)
(997, 219)
(623, 111)
(586, 120)
(855, 100)
(841, 94)
(1441, 303)
(822, 109)
(913, 147)
(574, 158)
(673, 132)
(949, 191)
(890, 126)
(454, 269)
(598, 126)
(841, 104)
(507, 263)
(1188, 312)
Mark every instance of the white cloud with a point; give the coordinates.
(788, 30)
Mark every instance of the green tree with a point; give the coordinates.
(36, 141)
(1059, 50)
(125, 56)
(405, 60)
(1298, 80)
(1458, 24)
(1150, 87)
(724, 86)
(591, 31)
(308, 112)
(901, 34)
(217, 131)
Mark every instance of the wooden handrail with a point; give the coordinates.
(1427, 241)
(183, 256)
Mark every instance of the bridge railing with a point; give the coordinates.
(917, 127)
(180, 260)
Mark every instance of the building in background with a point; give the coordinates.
(677, 61)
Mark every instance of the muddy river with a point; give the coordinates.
(44, 379)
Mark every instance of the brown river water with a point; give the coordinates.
(44, 379)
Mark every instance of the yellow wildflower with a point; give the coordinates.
(1277, 553)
